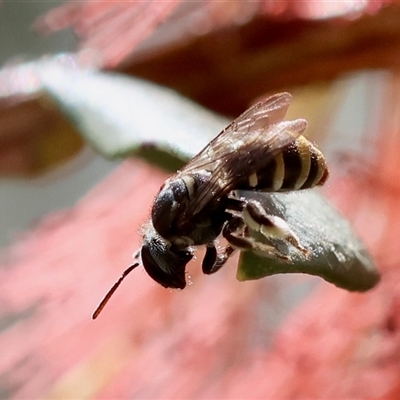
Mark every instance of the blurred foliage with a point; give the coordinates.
(35, 137)
(215, 339)
(198, 48)
(214, 51)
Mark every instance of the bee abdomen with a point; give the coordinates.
(299, 166)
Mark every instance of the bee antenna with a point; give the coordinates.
(114, 287)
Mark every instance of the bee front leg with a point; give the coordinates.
(270, 226)
(213, 260)
(209, 259)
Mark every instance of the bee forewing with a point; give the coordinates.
(271, 110)
(236, 161)
(256, 120)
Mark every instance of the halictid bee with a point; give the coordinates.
(258, 151)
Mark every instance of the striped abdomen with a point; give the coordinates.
(299, 166)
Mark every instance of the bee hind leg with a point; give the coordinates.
(236, 233)
(270, 226)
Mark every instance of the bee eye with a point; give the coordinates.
(164, 265)
(167, 206)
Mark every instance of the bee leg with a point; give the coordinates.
(270, 226)
(236, 233)
(209, 259)
(235, 204)
(213, 261)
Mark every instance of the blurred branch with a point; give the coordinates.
(33, 137)
(241, 63)
(114, 28)
(211, 51)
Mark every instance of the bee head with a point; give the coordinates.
(163, 262)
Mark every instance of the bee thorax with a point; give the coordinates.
(169, 203)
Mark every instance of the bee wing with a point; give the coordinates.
(258, 117)
(247, 145)
(246, 158)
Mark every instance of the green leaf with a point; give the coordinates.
(120, 116)
(338, 255)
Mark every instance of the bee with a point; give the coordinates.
(258, 151)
